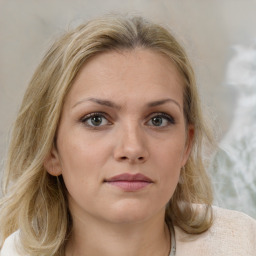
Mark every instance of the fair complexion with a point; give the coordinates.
(122, 116)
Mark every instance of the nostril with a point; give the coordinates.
(126, 158)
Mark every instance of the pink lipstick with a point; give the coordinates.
(129, 182)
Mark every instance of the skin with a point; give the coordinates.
(133, 89)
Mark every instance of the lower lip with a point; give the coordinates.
(129, 186)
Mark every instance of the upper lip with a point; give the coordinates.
(129, 177)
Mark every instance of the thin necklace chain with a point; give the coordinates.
(173, 241)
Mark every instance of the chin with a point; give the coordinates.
(130, 212)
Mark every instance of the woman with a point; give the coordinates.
(106, 155)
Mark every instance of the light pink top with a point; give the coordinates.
(232, 234)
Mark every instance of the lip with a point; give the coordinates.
(129, 182)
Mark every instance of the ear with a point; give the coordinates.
(52, 163)
(189, 143)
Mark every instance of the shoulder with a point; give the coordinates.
(231, 234)
(10, 245)
(233, 222)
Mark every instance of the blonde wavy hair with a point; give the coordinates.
(34, 202)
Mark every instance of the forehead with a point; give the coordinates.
(128, 74)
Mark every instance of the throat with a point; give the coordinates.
(109, 243)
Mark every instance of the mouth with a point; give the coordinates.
(129, 182)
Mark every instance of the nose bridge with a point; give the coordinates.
(134, 135)
(131, 143)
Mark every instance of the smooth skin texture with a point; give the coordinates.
(123, 114)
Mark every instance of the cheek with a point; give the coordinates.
(82, 159)
(168, 159)
(79, 151)
(74, 163)
(170, 153)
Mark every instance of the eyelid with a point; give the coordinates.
(84, 118)
(87, 116)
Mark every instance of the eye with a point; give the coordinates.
(161, 120)
(95, 120)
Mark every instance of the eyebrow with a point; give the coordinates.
(102, 102)
(161, 102)
(111, 104)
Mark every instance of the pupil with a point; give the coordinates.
(96, 120)
(157, 121)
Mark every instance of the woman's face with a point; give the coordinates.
(122, 138)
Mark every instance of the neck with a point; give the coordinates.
(99, 238)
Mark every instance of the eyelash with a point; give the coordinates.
(167, 117)
(95, 114)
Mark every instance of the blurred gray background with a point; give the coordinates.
(207, 28)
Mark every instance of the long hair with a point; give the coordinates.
(34, 202)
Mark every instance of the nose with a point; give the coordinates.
(131, 145)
